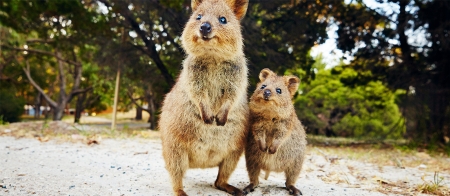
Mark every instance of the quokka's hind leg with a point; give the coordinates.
(292, 175)
(226, 168)
(177, 163)
(253, 174)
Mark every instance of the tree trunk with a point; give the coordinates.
(138, 113)
(37, 106)
(46, 112)
(151, 108)
(79, 107)
(438, 104)
(116, 98)
(58, 112)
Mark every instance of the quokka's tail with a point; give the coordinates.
(267, 175)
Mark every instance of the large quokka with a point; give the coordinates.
(277, 141)
(204, 119)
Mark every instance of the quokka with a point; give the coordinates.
(204, 119)
(277, 140)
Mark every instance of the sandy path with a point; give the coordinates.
(136, 167)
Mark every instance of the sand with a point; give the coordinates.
(136, 167)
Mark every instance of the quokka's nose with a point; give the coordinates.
(267, 94)
(205, 29)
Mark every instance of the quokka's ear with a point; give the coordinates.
(195, 3)
(265, 73)
(292, 82)
(239, 7)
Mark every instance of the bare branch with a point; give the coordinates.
(47, 98)
(136, 103)
(39, 41)
(91, 101)
(76, 92)
(39, 52)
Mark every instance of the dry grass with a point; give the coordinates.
(398, 188)
(61, 131)
(382, 153)
(392, 157)
(434, 187)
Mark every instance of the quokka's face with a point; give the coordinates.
(274, 90)
(213, 30)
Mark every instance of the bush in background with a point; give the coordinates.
(336, 104)
(11, 107)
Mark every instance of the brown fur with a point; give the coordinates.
(277, 141)
(205, 116)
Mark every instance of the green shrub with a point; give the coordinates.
(11, 107)
(336, 102)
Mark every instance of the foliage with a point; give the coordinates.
(51, 43)
(2, 122)
(328, 106)
(279, 35)
(407, 50)
(11, 107)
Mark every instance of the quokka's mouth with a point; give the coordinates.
(263, 99)
(206, 38)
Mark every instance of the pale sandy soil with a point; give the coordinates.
(136, 167)
(53, 159)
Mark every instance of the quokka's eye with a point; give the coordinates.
(263, 86)
(223, 20)
(199, 17)
(278, 90)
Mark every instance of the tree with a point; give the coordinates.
(58, 30)
(97, 97)
(12, 77)
(408, 50)
(279, 35)
(153, 24)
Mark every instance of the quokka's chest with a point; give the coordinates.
(215, 71)
(216, 77)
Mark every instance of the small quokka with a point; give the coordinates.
(204, 118)
(277, 141)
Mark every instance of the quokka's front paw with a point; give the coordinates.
(274, 147)
(206, 113)
(221, 121)
(221, 118)
(207, 119)
(262, 145)
(222, 115)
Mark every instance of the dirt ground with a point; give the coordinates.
(134, 166)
